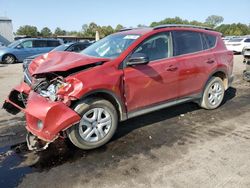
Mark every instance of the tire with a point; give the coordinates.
(9, 59)
(90, 133)
(213, 94)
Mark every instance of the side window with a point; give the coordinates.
(187, 42)
(75, 48)
(156, 47)
(27, 44)
(39, 43)
(53, 43)
(247, 40)
(210, 39)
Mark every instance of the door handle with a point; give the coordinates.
(210, 61)
(171, 68)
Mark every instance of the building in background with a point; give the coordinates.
(6, 30)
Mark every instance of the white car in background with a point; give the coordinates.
(237, 45)
(226, 39)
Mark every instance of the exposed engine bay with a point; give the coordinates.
(48, 88)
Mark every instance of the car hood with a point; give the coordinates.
(61, 62)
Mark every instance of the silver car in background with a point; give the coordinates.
(23, 48)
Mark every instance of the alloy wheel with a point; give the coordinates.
(95, 125)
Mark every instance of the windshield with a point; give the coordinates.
(111, 46)
(235, 40)
(62, 47)
(14, 44)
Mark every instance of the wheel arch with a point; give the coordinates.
(111, 97)
(221, 73)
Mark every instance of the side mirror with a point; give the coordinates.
(138, 59)
(19, 46)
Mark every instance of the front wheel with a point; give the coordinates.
(213, 94)
(97, 125)
(9, 59)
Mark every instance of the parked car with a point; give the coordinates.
(22, 48)
(84, 96)
(70, 47)
(227, 38)
(238, 44)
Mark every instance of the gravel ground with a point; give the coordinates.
(181, 146)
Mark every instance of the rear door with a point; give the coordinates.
(196, 61)
(156, 81)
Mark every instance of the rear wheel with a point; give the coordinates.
(213, 94)
(97, 125)
(9, 59)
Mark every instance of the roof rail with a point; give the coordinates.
(181, 25)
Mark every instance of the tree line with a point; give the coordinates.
(89, 30)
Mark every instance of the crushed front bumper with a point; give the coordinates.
(44, 118)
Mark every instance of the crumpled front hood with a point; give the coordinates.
(61, 62)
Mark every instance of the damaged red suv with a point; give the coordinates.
(127, 74)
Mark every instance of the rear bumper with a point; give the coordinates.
(44, 118)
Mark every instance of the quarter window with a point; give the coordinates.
(211, 40)
(187, 42)
(156, 47)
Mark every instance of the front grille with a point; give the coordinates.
(27, 77)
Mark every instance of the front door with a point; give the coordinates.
(155, 82)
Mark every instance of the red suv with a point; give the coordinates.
(127, 74)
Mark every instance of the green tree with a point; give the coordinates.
(106, 30)
(214, 20)
(234, 29)
(176, 20)
(90, 30)
(59, 31)
(46, 32)
(118, 27)
(27, 30)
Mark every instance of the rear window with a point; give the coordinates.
(186, 42)
(53, 43)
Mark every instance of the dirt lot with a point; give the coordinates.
(182, 146)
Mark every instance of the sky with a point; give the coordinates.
(72, 14)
